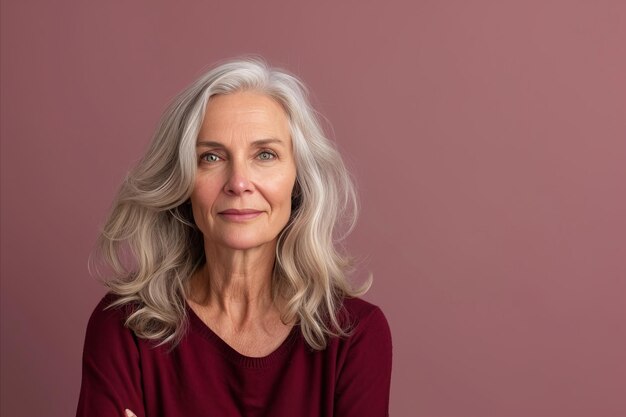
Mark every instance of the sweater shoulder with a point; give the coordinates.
(111, 378)
(360, 314)
(106, 311)
(357, 307)
(107, 321)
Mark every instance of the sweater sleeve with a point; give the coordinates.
(364, 379)
(111, 380)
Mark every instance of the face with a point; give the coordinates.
(246, 171)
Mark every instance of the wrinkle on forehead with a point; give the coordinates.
(244, 115)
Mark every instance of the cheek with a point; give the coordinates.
(196, 211)
(203, 197)
(283, 190)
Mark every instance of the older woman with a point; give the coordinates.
(228, 293)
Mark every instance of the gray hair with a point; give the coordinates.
(152, 247)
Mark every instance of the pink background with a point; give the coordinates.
(489, 143)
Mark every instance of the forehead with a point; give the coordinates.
(248, 113)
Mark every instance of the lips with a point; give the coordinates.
(239, 215)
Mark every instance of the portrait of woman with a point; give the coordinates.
(322, 208)
(228, 282)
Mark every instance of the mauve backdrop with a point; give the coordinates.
(489, 143)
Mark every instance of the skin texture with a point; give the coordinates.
(245, 162)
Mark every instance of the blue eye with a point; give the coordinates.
(267, 155)
(210, 157)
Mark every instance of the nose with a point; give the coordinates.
(238, 181)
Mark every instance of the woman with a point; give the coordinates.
(228, 294)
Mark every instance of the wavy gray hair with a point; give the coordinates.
(151, 246)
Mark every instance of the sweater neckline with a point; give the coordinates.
(235, 356)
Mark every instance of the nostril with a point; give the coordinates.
(238, 184)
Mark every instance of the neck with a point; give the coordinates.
(236, 284)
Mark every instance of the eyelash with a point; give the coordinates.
(203, 157)
(273, 155)
(267, 151)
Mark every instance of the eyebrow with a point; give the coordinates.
(258, 142)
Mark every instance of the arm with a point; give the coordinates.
(111, 380)
(364, 380)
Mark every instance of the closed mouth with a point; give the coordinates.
(239, 215)
(239, 211)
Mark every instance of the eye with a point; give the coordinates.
(210, 157)
(266, 155)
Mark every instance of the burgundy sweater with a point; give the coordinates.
(204, 376)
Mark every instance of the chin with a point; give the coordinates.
(240, 242)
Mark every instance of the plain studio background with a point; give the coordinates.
(488, 139)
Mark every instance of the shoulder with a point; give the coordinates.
(364, 361)
(111, 376)
(107, 313)
(357, 310)
(358, 307)
(361, 316)
(106, 326)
